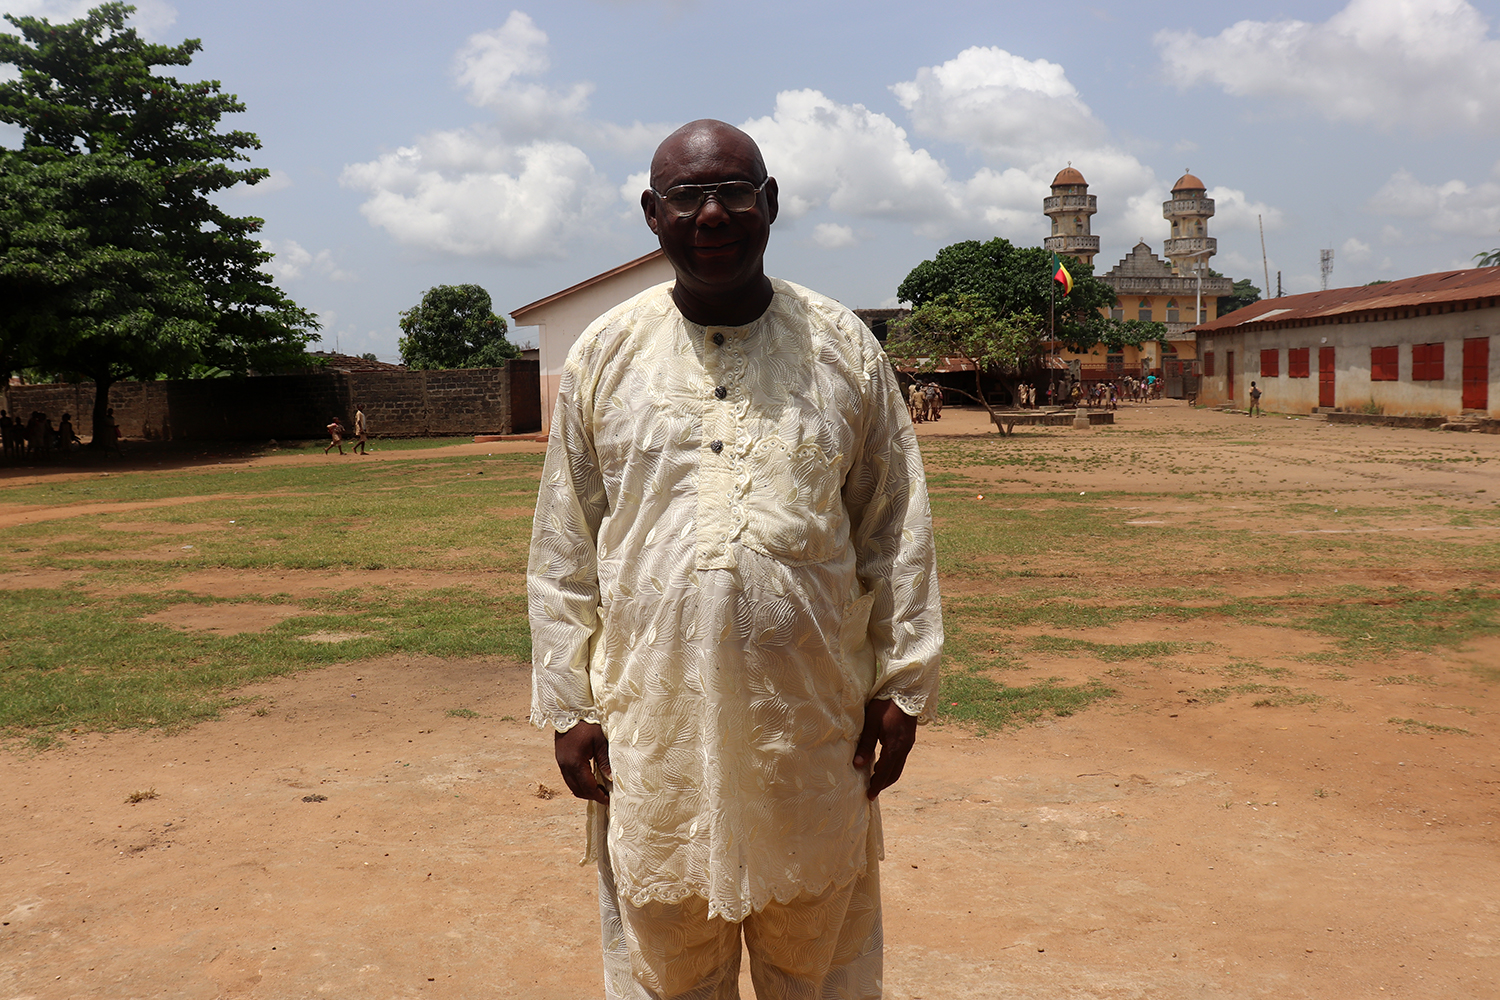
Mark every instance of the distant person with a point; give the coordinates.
(112, 433)
(7, 434)
(66, 436)
(933, 397)
(336, 436)
(361, 428)
(1255, 400)
(916, 403)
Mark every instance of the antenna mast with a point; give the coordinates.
(1325, 261)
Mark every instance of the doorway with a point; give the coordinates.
(1325, 377)
(1476, 392)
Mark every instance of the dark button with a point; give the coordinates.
(721, 392)
(719, 339)
(716, 447)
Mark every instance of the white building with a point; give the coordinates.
(1422, 346)
(562, 316)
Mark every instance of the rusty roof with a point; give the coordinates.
(1069, 175)
(1477, 285)
(350, 363)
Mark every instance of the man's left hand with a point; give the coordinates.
(896, 732)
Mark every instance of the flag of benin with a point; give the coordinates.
(1060, 274)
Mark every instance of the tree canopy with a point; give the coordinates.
(1009, 280)
(454, 326)
(116, 259)
(1243, 295)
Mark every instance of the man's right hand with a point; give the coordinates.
(579, 751)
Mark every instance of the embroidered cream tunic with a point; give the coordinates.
(732, 554)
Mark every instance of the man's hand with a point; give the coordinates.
(579, 751)
(896, 732)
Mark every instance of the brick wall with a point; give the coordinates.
(457, 402)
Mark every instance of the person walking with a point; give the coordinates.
(336, 436)
(1255, 400)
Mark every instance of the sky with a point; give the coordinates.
(449, 141)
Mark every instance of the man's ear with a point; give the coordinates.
(648, 206)
(772, 205)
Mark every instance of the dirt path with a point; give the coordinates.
(383, 829)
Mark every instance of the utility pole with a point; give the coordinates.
(1264, 264)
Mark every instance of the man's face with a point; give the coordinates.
(715, 252)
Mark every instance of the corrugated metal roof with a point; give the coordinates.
(1443, 288)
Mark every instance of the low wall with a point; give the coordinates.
(455, 402)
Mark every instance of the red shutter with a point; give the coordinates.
(1208, 364)
(1426, 362)
(1384, 364)
(1270, 363)
(1296, 362)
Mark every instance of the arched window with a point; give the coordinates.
(1143, 310)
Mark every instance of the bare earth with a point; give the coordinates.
(342, 835)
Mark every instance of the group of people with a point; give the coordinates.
(35, 438)
(925, 401)
(336, 433)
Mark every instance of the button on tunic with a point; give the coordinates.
(732, 554)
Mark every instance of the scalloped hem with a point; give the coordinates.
(720, 909)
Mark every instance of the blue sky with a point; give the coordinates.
(446, 142)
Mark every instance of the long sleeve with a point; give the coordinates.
(562, 580)
(896, 558)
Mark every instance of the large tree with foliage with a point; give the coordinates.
(454, 326)
(1010, 280)
(993, 304)
(119, 262)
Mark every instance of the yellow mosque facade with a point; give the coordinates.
(1177, 292)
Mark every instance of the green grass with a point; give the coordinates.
(1417, 726)
(80, 654)
(75, 660)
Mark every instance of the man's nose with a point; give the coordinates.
(713, 213)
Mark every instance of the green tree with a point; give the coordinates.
(1243, 294)
(1010, 280)
(964, 326)
(122, 264)
(455, 326)
(1487, 258)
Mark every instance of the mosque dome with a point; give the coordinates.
(1187, 182)
(1066, 176)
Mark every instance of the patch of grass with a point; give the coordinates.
(141, 796)
(75, 660)
(1417, 726)
(462, 713)
(1106, 651)
(971, 698)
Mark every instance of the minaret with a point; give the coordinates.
(1189, 246)
(1069, 209)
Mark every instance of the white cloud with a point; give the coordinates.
(490, 65)
(279, 180)
(853, 160)
(1453, 208)
(293, 261)
(1354, 251)
(151, 17)
(832, 236)
(465, 192)
(1428, 64)
(1006, 105)
(1233, 210)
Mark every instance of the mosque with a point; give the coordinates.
(1178, 292)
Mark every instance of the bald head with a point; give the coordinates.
(716, 250)
(704, 139)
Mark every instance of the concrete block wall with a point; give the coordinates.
(292, 407)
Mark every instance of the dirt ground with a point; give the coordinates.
(347, 835)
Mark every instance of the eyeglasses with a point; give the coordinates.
(686, 199)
